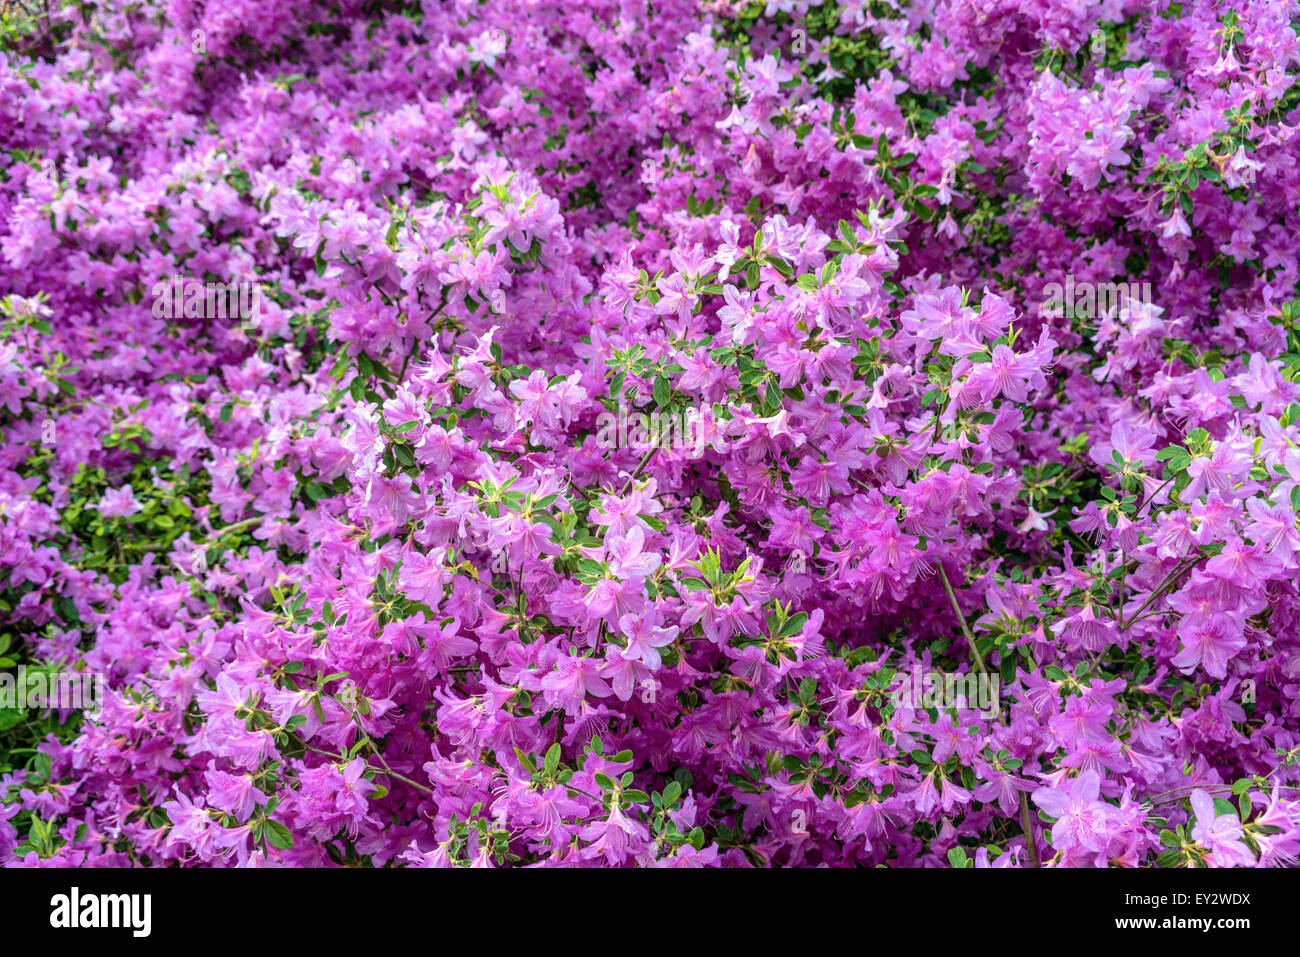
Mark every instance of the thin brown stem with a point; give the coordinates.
(1160, 590)
(1026, 821)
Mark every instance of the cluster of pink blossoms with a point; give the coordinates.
(634, 401)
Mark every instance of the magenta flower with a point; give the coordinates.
(532, 408)
(1209, 642)
(1081, 819)
(645, 638)
(119, 502)
(1219, 834)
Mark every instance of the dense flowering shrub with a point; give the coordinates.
(633, 400)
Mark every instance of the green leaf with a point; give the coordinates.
(794, 625)
(278, 836)
(552, 763)
(1222, 807)
(526, 761)
(662, 392)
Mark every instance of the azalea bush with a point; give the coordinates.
(632, 398)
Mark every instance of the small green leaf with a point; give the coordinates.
(278, 836)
